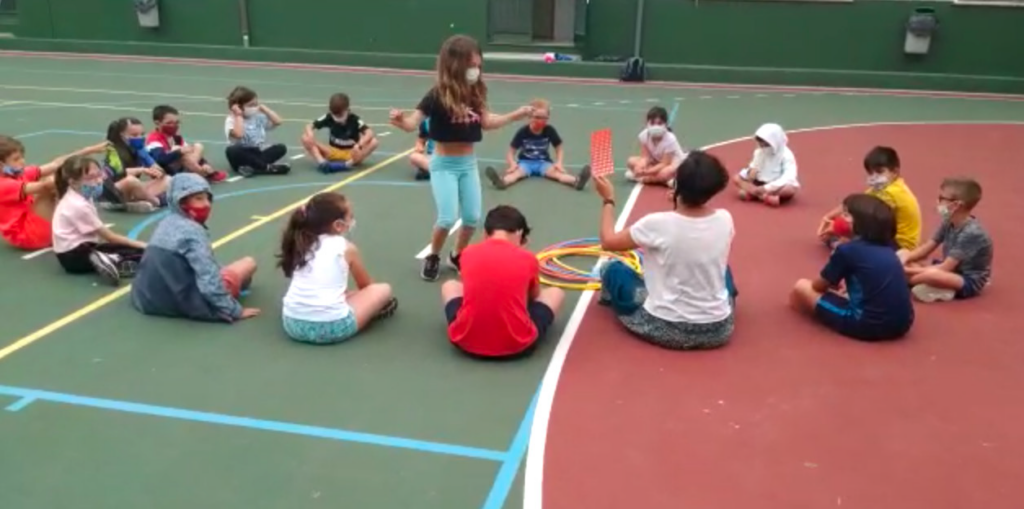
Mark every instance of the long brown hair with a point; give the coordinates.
(455, 93)
(74, 168)
(115, 135)
(307, 223)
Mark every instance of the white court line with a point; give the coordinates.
(423, 254)
(236, 178)
(43, 251)
(533, 477)
(297, 156)
(385, 133)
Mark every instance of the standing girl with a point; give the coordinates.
(317, 257)
(82, 243)
(126, 162)
(457, 109)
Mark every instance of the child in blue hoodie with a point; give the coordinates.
(178, 276)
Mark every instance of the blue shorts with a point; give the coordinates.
(321, 333)
(534, 167)
(834, 311)
(972, 285)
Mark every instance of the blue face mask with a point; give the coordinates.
(91, 191)
(137, 143)
(11, 171)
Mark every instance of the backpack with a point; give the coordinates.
(635, 70)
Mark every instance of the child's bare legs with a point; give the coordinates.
(804, 298)
(420, 161)
(778, 196)
(367, 302)
(192, 160)
(557, 174)
(746, 186)
(464, 238)
(636, 164)
(134, 190)
(450, 291)
(552, 298)
(315, 149)
(660, 175)
(243, 269)
(358, 156)
(45, 201)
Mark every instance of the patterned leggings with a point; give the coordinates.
(617, 284)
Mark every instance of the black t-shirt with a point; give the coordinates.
(444, 128)
(533, 146)
(345, 134)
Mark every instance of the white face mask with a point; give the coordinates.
(877, 181)
(251, 110)
(473, 75)
(657, 131)
(351, 227)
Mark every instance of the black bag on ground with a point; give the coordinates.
(635, 70)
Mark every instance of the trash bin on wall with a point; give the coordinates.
(921, 26)
(148, 12)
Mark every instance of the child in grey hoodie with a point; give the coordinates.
(178, 275)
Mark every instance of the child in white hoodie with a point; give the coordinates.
(771, 176)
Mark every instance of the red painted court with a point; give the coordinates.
(789, 415)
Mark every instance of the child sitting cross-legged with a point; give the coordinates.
(168, 147)
(771, 176)
(876, 304)
(82, 243)
(134, 181)
(246, 127)
(350, 140)
(529, 155)
(319, 259)
(660, 152)
(499, 309)
(178, 276)
(966, 264)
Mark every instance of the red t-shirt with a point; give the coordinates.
(498, 278)
(15, 204)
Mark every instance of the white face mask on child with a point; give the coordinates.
(877, 181)
(657, 131)
(251, 110)
(473, 75)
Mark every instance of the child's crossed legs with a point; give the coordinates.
(651, 172)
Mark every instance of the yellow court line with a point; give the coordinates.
(121, 292)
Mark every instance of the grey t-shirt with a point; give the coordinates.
(970, 244)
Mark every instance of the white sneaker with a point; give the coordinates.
(929, 294)
(139, 207)
(630, 176)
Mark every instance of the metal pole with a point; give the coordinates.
(638, 36)
(243, 17)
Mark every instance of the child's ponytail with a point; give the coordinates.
(301, 235)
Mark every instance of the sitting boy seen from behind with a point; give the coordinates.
(882, 165)
(350, 140)
(967, 251)
(529, 154)
(178, 276)
(499, 309)
(168, 148)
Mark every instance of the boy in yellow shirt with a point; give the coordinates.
(882, 165)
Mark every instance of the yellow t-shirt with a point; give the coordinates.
(908, 212)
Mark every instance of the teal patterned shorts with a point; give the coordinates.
(321, 333)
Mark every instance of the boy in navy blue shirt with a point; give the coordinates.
(529, 154)
(876, 303)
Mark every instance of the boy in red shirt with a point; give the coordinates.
(168, 148)
(499, 309)
(28, 195)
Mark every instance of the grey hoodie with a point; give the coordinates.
(178, 275)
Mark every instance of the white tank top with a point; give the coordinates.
(317, 290)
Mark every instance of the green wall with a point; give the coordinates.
(833, 44)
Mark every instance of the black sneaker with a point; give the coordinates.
(455, 260)
(431, 267)
(422, 174)
(106, 267)
(583, 178)
(388, 310)
(126, 269)
(246, 171)
(275, 169)
(495, 179)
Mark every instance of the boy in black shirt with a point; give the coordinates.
(529, 154)
(350, 142)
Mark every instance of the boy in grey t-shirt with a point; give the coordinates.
(966, 264)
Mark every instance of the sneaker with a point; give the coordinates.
(583, 178)
(630, 176)
(111, 206)
(929, 294)
(431, 267)
(139, 207)
(389, 309)
(126, 269)
(422, 174)
(217, 176)
(495, 179)
(455, 261)
(275, 169)
(106, 267)
(328, 167)
(246, 171)
(772, 200)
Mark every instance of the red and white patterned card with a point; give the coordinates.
(601, 161)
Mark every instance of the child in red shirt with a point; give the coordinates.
(168, 148)
(28, 195)
(499, 309)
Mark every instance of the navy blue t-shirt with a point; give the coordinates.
(536, 146)
(876, 283)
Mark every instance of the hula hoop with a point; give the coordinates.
(557, 273)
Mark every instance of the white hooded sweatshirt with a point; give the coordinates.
(775, 165)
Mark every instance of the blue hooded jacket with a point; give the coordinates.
(179, 276)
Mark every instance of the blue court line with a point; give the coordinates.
(251, 423)
(672, 114)
(142, 225)
(21, 403)
(506, 475)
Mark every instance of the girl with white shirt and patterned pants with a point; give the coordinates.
(660, 152)
(685, 299)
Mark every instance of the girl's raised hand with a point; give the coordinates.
(236, 110)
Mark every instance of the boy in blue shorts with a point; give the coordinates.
(966, 264)
(421, 153)
(876, 305)
(530, 154)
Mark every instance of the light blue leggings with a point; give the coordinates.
(455, 181)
